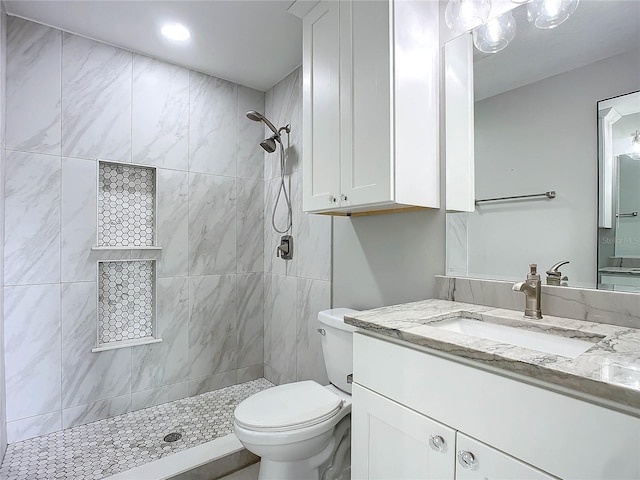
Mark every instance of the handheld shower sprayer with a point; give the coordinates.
(270, 145)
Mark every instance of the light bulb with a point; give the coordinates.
(550, 13)
(464, 15)
(496, 34)
(176, 32)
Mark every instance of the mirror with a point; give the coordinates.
(619, 193)
(535, 132)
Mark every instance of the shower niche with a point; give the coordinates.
(126, 213)
(126, 220)
(126, 304)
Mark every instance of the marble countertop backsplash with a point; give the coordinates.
(610, 370)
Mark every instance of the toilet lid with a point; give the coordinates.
(288, 407)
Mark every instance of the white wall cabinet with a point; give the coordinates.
(370, 106)
(514, 430)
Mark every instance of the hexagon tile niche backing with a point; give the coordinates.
(126, 300)
(126, 205)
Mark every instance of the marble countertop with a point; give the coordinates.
(610, 370)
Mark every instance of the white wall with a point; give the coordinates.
(556, 151)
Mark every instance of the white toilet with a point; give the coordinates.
(302, 430)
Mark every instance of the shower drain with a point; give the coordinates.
(173, 437)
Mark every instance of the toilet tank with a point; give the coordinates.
(337, 346)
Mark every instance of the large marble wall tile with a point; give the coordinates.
(96, 99)
(212, 325)
(32, 219)
(283, 327)
(167, 362)
(87, 376)
(33, 108)
(212, 125)
(78, 219)
(268, 314)
(246, 374)
(457, 224)
(160, 113)
(26, 428)
(212, 224)
(249, 153)
(92, 412)
(250, 322)
(157, 396)
(314, 241)
(250, 236)
(285, 108)
(313, 297)
(32, 350)
(173, 222)
(212, 382)
(272, 263)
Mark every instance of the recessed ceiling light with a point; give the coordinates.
(176, 32)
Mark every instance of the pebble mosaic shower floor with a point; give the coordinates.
(116, 444)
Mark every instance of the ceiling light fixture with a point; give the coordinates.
(464, 15)
(496, 34)
(547, 14)
(175, 32)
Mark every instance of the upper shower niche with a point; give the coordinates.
(126, 206)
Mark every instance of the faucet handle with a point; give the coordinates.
(533, 268)
(554, 270)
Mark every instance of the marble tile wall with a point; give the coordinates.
(294, 290)
(3, 69)
(71, 101)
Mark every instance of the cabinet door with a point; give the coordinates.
(390, 441)
(366, 102)
(321, 107)
(477, 461)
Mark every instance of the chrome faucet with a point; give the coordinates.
(532, 290)
(554, 275)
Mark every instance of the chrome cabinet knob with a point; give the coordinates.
(467, 459)
(332, 199)
(322, 331)
(436, 442)
(343, 197)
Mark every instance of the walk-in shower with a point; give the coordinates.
(270, 145)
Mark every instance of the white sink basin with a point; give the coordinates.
(522, 335)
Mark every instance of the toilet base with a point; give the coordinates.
(332, 463)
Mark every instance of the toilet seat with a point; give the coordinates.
(288, 407)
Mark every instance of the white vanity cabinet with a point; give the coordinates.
(390, 441)
(370, 106)
(513, 430)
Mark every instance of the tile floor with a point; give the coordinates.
(116, 444)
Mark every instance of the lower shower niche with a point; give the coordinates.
(126, 304)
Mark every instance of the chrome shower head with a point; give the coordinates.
(269, 144)
(258, 117)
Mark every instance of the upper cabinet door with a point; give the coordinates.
(390, 441)
(367, 131)
(321, 107)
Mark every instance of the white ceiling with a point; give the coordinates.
(597, 30)
(253, 43)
